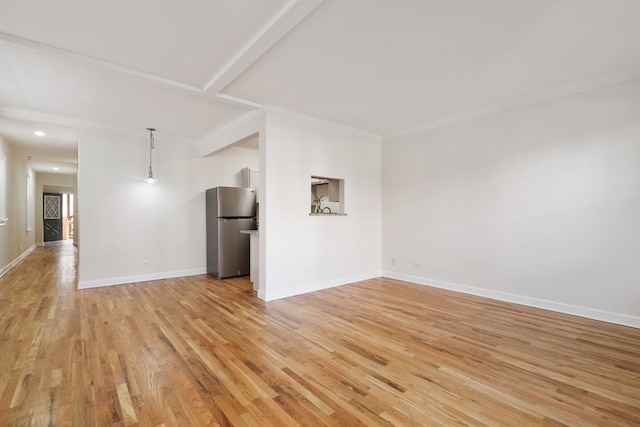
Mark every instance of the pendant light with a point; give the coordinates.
(150, 178)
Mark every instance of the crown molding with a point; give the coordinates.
(37, 116)
(584, 85)
(239, 121)
(272, 109)
(100, 62)
(234, 100)
(53, 119)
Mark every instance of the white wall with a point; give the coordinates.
(15, 241)
(303, 253)
(126, 221)
(539, 205)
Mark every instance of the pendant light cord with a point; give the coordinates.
(152, 145)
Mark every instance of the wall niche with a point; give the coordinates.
(327, 196)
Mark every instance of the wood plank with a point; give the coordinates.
(199, 351)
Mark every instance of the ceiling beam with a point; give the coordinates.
(251, 123)
(291, 14)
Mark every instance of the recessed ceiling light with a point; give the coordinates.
(56, 169)
(39, 133)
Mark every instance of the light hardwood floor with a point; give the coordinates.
(198, 351)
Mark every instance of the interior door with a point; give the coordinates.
(52, 216)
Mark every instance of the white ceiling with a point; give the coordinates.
(387, 67)
(57, 149)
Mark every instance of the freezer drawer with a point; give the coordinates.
(233, 249)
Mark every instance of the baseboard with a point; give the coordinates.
(87, 284)
(15, 262)
(289, 292)
(589, 313)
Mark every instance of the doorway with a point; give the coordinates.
(57, 217)
(52, 216)
(67, 216)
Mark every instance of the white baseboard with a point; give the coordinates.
(15, 262)
(589, 313)
(87, 284)
(284, 293)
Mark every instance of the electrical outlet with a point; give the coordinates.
(144, 262)
(393, 261)
(416, 264)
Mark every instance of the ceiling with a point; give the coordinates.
(386, 67)
(56, 152)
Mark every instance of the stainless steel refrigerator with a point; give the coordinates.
(229, 210)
